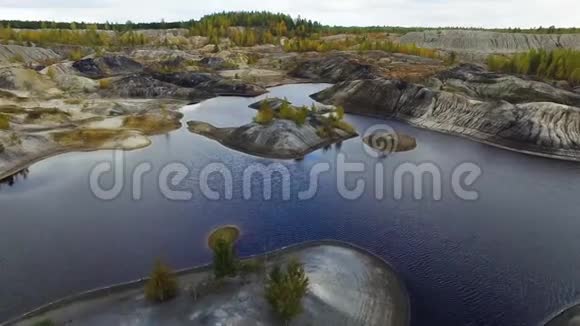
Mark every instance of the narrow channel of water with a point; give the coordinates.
(508, 258)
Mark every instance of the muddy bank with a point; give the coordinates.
(348, 286)
(38, 132)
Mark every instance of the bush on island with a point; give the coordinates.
(162, 285)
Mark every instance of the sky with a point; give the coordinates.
(466, 13)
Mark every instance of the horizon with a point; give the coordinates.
(393, 13)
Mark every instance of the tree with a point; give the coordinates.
(301, 115)
(285, 290)
(287, 111)
(265, 113)
(224, 259)
(162, 285)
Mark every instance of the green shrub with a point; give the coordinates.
(224, 259)
(75, 55)
(162, 285)
(45, 322)
(287, 111)
(285, 290)
(265, 113)
(301, 116)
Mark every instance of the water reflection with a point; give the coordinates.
(11, 180)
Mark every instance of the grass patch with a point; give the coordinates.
(52, 114)
(76, 55)
(229, 234)
(105, 83)
(4, 122)
(86, 137)
(12, 109)
(151, 123)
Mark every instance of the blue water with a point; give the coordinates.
(508, 258)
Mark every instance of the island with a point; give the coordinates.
(390, 142)
(281, 130)
(343, 284)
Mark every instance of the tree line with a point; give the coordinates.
(560, 64)
(277, 23)
(361, 43)
(90, 36)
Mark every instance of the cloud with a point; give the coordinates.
(476, 13)
(43, 4)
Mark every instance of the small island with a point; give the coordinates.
(281, 130)
(387, 143)
(316, 283)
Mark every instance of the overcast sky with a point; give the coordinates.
(477, 13)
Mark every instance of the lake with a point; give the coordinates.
(508, 258)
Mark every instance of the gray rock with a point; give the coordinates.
(541, 128)
(27, 53)
(107, 66)
(333, 69)
(211, 84)
(213, 62)
(145, 86)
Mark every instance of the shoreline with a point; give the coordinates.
(59, 151)
(436, 127)
(103, 292)
(505, 145)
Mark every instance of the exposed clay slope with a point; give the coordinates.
(541, 128)
(490, 42)
(27, 54)
(475, 82)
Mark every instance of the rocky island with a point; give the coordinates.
(281, 131)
